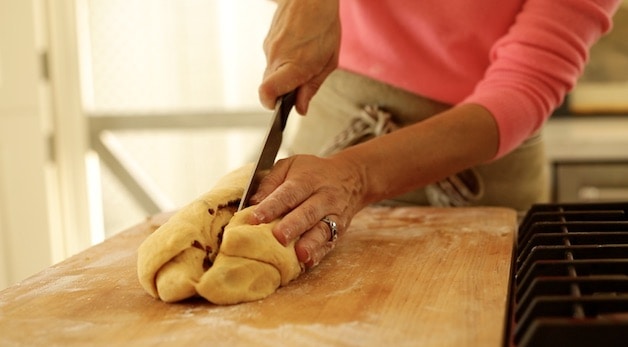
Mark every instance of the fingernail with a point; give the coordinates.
(258, 216)
(286, 236)
(308, 256)
(281, 235)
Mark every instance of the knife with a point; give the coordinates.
(271, 146)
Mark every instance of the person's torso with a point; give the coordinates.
(435, 48)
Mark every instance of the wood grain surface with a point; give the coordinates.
(408, 276)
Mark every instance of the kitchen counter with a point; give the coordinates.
(587, 138)
(588, 158)
(399, 277)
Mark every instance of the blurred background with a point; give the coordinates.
(112, 111)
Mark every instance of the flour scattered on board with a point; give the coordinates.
(290, 334)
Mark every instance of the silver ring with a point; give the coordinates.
(333, 228)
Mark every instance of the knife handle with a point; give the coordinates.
(286, 103)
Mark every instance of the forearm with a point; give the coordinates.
(423, 153)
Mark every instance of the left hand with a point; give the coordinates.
(304, 189)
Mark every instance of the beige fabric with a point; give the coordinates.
(517, 180)
(208, 249)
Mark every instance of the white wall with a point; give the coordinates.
(24, 219)
(200, 55)
(152, 57)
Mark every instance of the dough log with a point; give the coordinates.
(206, 249)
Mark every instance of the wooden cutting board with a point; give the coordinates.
(399, 277)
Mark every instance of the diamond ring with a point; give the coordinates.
(332, 228)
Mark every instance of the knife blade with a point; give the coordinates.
(267, 155)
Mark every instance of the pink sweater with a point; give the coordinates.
(517, 58)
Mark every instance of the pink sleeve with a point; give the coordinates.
(537, 62)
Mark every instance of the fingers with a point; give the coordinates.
(266, 209)
(280, 195)
(290, 76)
(302, 190)
(286, 79)
(305, 217)
(279, 81)
(309, 89)
(312, 247)
(318, 238)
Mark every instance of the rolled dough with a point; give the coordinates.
(207, 249)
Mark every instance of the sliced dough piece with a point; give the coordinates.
(197, 225)
(232, 280)
(258, 242)
(204, 249)
(263, 264)
(177, 279)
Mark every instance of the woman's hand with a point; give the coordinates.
(301, 50)
(304, 189)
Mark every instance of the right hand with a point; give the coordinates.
(301, 50)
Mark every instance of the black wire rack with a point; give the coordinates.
(569, 277)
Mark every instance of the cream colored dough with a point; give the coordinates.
(207, 249)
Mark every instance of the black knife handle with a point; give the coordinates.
(287, 102)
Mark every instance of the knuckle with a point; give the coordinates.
(331, 200)
(289, 195)
(310, 214)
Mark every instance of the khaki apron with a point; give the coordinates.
(350, 108)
